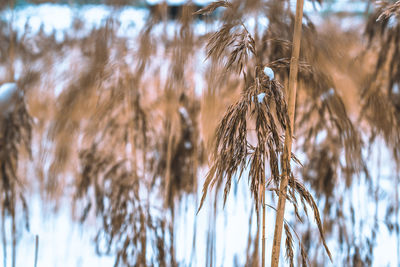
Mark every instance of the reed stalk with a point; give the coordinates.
(14, 234)
(3, 236)
(289, 133)
(11, 48)
(36, 250)
(263, 224)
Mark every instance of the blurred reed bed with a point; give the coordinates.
(116, 124)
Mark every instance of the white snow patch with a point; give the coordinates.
(49, 17)
(58, 19)
(321, 136)
(269, 72)
(179, 2)
(8, 97)
(264, 21)
(95, 15)
(392, 22)
(188, 145)
(396, 89)
(260, 97)
(184, 113)
(327, 94)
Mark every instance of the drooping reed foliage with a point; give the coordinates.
(15, 137)
(382, 87)
(263, 101)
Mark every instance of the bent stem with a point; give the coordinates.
(288, 135)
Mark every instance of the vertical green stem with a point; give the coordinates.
(294, 64)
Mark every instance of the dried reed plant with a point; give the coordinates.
(263, 104)
(325, 125)
(381, 88)
(118, 177)
(161, 158)
(15, 139)
(16, 131)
